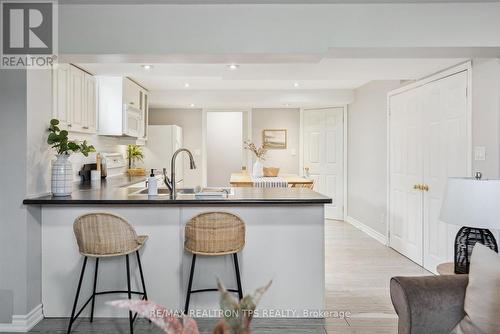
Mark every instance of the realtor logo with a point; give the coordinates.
(28, 34)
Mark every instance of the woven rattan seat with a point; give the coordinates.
(101, 234)
(215, 233)
(106, 235)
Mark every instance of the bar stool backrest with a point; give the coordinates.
(215, 233)
(104, 234)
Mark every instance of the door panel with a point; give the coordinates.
(429, 143)
(323, 155)
(445, 155)
(406, 171)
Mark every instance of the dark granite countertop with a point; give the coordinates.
(114, 190)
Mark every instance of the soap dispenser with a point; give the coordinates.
(152, 184)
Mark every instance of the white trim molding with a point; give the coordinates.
(368, 230)
(24, 323)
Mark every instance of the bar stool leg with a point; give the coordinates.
(142, 276)
(131, 322)
(145, 297)
(77, 295)
(190, 284)
(238, 278)
(93, 292)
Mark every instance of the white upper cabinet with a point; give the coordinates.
(131, 93)
(122, 106)
(60, 87)
(74, 98)
(90, 121)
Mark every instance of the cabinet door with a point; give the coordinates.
(445, 149)
(145, 114)
(90, 104)
(60, 85)
(406, 168)
(131, 93)
(76, 98)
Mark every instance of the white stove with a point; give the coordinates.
(114, 164)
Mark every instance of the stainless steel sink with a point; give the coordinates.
(165, 191)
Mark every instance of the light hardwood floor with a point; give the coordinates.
(358, 270)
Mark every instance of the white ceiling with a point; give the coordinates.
(233, 2)
(209, 83)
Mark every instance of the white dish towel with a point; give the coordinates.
(269, 182)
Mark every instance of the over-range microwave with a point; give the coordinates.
(133, 121)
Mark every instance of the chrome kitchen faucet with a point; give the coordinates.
(170, 183)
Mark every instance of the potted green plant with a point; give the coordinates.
(134, 154)
(62, 171)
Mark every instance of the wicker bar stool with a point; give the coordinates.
(105, 235)
(214, 234)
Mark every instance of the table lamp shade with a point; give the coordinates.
(472, 202)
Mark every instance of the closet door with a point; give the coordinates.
(445, 149)
(324, 155)
(406, 169)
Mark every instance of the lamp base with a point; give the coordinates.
(464, 243)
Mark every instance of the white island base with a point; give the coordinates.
(284, 243)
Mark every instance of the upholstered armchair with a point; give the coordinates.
(429, 304)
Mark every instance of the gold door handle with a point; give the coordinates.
(425, 187)
(417, 186)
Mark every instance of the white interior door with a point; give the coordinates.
(224, 146)
(429, 142)
(323, 135)
(445, 155)
(405, 172)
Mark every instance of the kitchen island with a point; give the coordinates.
(284, 243)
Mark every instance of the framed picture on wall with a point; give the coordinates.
(274, 139)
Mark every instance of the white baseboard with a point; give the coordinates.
(368, 230)
(24, 323)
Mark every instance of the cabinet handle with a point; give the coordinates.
(85, 127)
(132, 103)
(69, 125)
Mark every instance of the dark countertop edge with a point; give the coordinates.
(70, 201)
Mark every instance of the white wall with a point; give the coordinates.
(15, 284)
(367, 155)
(286, 118)
(39, 104)
(278, 29)
(486, 114)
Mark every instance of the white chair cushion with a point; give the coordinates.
(482, 297)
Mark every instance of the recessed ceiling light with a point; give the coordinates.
(191, 105)
(295, 84)
(287, 104)
(186, 84)
(147, 67)
(233, 67)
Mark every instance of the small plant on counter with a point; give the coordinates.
(134, 154)
(236, 315)
(58, 139)
(260, 152)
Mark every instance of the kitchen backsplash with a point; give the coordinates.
(102, 144)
